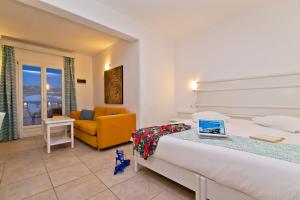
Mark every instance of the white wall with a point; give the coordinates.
(156, 52)
(262, 43)
(84, 92)
(32, 57)
(121, 53)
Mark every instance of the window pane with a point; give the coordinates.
(54, 92)
(31, 95)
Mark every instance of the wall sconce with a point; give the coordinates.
(106, 66)
(195, 85)
(47, 86)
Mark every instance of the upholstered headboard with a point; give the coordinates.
(277, 94)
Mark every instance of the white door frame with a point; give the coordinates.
(35, 129)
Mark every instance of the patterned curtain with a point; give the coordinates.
(8, 96)
(70, 95)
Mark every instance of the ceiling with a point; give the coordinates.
(30, 24)
(178, 18)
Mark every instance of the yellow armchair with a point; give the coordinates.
(115, 129)
(110, 127)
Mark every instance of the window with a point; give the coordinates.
(32, 108)
(54, 92)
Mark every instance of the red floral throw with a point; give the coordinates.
(146, 139)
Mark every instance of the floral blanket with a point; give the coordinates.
(145, 140)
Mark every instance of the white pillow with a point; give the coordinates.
(209, 115)
(285, 123)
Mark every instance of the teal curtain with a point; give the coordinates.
(70, 93)
(8, 96)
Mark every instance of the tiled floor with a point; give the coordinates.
(28, 172)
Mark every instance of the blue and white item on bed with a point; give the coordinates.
(213, 128)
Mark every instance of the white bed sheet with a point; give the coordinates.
(260, 177)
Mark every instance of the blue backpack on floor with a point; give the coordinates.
(122, 162)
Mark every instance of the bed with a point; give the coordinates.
(236, 175)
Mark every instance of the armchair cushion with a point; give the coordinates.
(86, 115)
(99, 111)
(78, 123)
(89, 127)
(115, 110)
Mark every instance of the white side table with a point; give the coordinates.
(56, 122)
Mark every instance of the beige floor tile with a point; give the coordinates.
(54, 162)
(25, 188)
(19, 159)
(4, 148)
(79, 143)
(181, 192)
(175, 195)
(70, 171)
(62, 150)
(127, 148)
(110, 151)
(82, 150)
(3, 158)
(36, 152)
(106, 195)
(137, 187)
(64, 175)
(21, 163)
(96, 162)
(81, 188)
(157, 178)
(109, 179)
(166, 196)
(93, 155)
(1, 171)
(22, 145)
(168, 185)
(11, 175)
(47, 195)
(39, 140)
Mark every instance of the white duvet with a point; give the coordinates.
(260, 177)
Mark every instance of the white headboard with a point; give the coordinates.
(277, 94)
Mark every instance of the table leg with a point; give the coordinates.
(43, 131)
(66, 131)
(48, 139)
(72, 135)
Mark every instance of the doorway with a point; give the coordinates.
(41, 96)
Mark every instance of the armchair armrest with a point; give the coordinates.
(115, 129)
(75, 115)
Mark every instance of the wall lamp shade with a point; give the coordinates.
(106, 66)
(195, 85)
